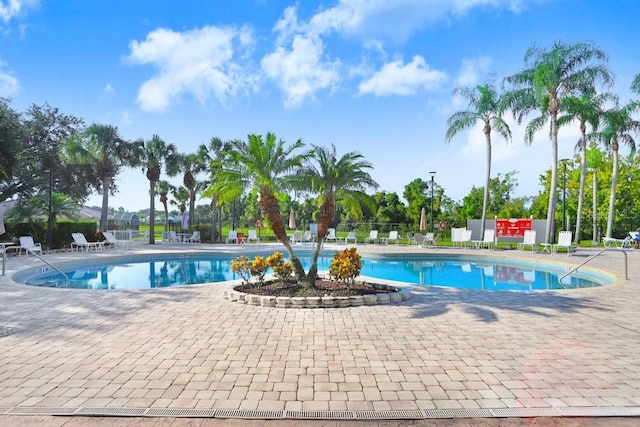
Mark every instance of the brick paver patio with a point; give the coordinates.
(444, 353)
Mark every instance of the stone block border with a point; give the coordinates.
(399, 295)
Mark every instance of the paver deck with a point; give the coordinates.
(445, 353)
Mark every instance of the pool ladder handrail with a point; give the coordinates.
(626, 262)
(66, 278)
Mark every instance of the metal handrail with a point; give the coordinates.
(626, 263)
(66, 278)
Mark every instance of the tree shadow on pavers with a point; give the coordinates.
(484, 305)
(61, 313)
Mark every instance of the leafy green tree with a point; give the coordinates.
(618, 124)
(268, 165)
(101, 147)
(212, 156)
(549, 76)
(484, 106)
(415, 195)
(337, 180)
(585, 108)
(12, 136)
(152, 155)
(389, 208)
(38, 205)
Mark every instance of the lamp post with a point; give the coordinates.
(433, 174)
(594, 208)
(564, 192)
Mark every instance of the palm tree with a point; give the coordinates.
(635, 84)
(152, 155)
(265, 164)
(585, 108)
(549, 77)
(618, 123)
(163, 188)
(484, 106)
(337, 180)
(191, 165)
(212, 156)
(101, 147)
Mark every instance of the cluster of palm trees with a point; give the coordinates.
(561, 85)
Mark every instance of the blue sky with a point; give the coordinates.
(374, 76)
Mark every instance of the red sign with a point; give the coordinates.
(513, 227)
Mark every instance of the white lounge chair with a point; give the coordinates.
(393, 237)
(429, 240)
(296, 237)
(307, 237)
(28, 245)
(564, 241)
(195, 237)
(80, 243)
(351, 235)
(331, 235)
(373, 237)
(253, 236)
(488, 241)
(111, 239)
(232, 237)
(528, 240)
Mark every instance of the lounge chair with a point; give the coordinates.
(253, 236)
(111, 239)
(429, 240)
(195, 238)
(313, 231)
(528, 240)
(351, 235)
(28, 245)
(393, 237)
(416, 239)
(296, 237)
(307, 237)
(80, 243)
(232, 237)
(488, 240)
(564, 241)
(373, 237)
(331, 235)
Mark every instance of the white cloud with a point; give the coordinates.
(473, 70)
(198, 62)
(396, 78)
(300, 71)
(8, 82)
(9, 9)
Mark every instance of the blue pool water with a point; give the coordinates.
(160, 271)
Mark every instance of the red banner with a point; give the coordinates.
(513, 227)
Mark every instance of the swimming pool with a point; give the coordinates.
(449, 270)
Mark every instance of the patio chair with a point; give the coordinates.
(195, 237)
(416, 239)
(111, 239)
(373, 237)
(232, 237)
(393, 237)
(253, 236)
(465, 238)
(429, 240)
(296, 237)
(307, 237)
(528, 240)
(331, 235)
(28, 245)
(488, 240)
(80, 243)
(351, 235)
(564, 241)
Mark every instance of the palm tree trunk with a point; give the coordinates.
(105, 204)
(614, 184)
(583, 179)
(485, 199)
(551, 211)
(192, 203)
(152, 213)
(328, 210)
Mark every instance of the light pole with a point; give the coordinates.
(594, 208)
(433, 174)
(564, 192)
(50, 219)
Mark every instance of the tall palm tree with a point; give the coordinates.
(484, 106)
(635, 84)
(191, 165)
(337, 180)
(585, 108)
(152, 155)
(212, 156)
(101, 147)
(617, 125)
(549, 77)
(265, 164)
(163, 188)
